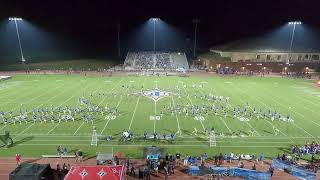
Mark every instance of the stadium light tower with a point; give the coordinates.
(15, 19)
(195, 21)
(294, 23)
(154, 32)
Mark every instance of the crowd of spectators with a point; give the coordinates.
(163, 60)
(144, 60)
(225, 70)
(154, 60)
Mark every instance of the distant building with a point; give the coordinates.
(268, 55)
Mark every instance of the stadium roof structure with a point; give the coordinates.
(264, 46)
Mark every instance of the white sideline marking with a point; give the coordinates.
(206, 141)
(160, 145)
(181, 137)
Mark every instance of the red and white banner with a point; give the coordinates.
(96, 173)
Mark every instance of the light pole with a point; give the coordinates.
(154, 33)
(15, 19)
(294, 23)
(118, 28)
(195, 21)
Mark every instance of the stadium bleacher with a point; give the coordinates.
(156, 60)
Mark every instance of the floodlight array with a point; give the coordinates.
(295, 22)
(15, 19)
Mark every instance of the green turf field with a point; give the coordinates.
(298, 98)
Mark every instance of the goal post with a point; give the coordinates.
(212, 139)
(94, 137)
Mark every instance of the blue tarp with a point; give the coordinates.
(194, 170)
(294, 170)
(231, 172)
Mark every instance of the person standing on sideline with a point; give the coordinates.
(262, 158)
(18, 159)
(271, 170)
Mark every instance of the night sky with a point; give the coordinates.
(92, 24)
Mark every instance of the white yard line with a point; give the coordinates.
(199, 120)
(41, 105)
(53, 128)
(135, 108)
(134, 112)
(23, 131)
(155, 113)
(244, 121)
(86, 87)
(273, 126)
(111, 91)
(226, 125)
(301, 115)
(105, 126)
(78, 128)
(46, 92)
(175, 112)
(294, 112)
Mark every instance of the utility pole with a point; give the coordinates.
(119, 51)
(195, 21)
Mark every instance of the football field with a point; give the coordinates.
(248, 114)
